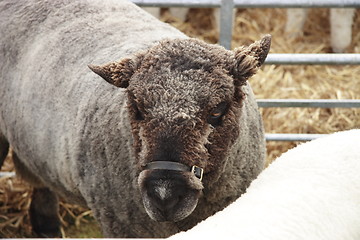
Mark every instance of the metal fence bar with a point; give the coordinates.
(252, 3)
(297, 3)
(292, 137)
(7, 174)
(226, 20)
(309, 103)
(314, 58)
(177, 3)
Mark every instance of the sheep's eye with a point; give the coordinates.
(216, 114)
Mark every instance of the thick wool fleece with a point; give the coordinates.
(71, 130)
(310, 192)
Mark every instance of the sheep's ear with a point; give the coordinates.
(249, 59)
(116, 73)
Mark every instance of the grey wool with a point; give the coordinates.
(107, 107)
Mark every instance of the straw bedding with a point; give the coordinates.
(313, 82)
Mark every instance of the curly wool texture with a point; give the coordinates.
(83, 138)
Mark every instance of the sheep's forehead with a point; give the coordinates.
(173, 94)
(177, 78)
(173, 97)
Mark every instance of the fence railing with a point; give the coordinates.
(226, 7)
(313, 58)
(308, 103)
(251, 3)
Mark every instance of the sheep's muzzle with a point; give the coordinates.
(170, 190)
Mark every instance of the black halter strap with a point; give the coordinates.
(175, 166)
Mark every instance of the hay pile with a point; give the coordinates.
(314, 82)
(14, 203)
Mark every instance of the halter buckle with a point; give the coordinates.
(198, 171)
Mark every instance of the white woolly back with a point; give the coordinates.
(310, 192)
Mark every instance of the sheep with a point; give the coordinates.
(309, 192)
(165, 134)
(341, 20)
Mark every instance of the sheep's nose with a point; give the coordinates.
(165, 202)
(165, 196)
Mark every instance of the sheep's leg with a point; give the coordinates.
(44, 207)
(4, 149)
(44, 210)
(341, 20)
(179, 12)
(155, 11)
(296, 18)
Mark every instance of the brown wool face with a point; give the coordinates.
(184, 100)
(170, 117)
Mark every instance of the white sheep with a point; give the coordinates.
(310, 192)
(341, 20)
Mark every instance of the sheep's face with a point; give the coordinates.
(184, 100)
(174, 116)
